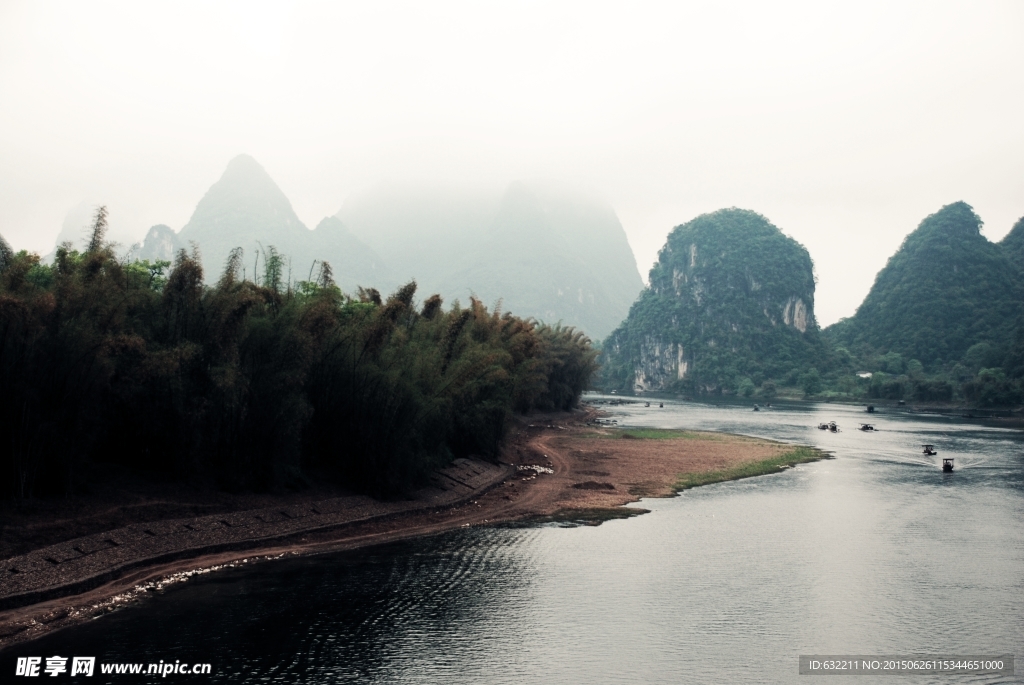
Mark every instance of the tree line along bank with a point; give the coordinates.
(255, 383)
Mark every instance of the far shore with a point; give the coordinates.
(1012, 416)
(582, 473)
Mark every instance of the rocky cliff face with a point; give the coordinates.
(730, 298)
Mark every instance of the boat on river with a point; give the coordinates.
(947, 464)
(866, 427)
(831, 426)
(929, 450)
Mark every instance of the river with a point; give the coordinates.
(873, 552)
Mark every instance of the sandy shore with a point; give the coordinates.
(566, 468)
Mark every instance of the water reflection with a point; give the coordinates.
(876, 551)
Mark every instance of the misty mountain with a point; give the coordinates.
(946, 289)
(74, 229)
(353, 262)
(730, 304)
(246, 209)
(550, 254)
(161, 244)
(425, 232)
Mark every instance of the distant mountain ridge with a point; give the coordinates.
(554, 255)
(246, 209)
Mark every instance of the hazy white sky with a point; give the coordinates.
(843, 123)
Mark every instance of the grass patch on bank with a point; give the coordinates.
(654, 434)
(798, 455)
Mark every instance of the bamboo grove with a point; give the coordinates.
(255, 383)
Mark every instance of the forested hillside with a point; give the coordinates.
(729, 308)
(730, 305)
(944, 319)
(946, 289)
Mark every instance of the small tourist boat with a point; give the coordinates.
(871, 409)
(647, 404)
(866, 427)
(757, 408)
(947, 464)
(929, 450)
(823, 426)
(833, 426)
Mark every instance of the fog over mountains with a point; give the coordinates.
(552, 254)
(246, 209)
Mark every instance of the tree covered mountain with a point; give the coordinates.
(1013, 244)
(730, 307)
(945, 290)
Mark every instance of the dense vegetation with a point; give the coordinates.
(946, 289)
(944, 321)
(255, 383)
(729, 309)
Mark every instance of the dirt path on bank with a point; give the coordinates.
(566, 468)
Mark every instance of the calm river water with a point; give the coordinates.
(873, 552)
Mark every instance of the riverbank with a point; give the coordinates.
(557, 467)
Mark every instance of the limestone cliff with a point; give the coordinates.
(730, 300)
